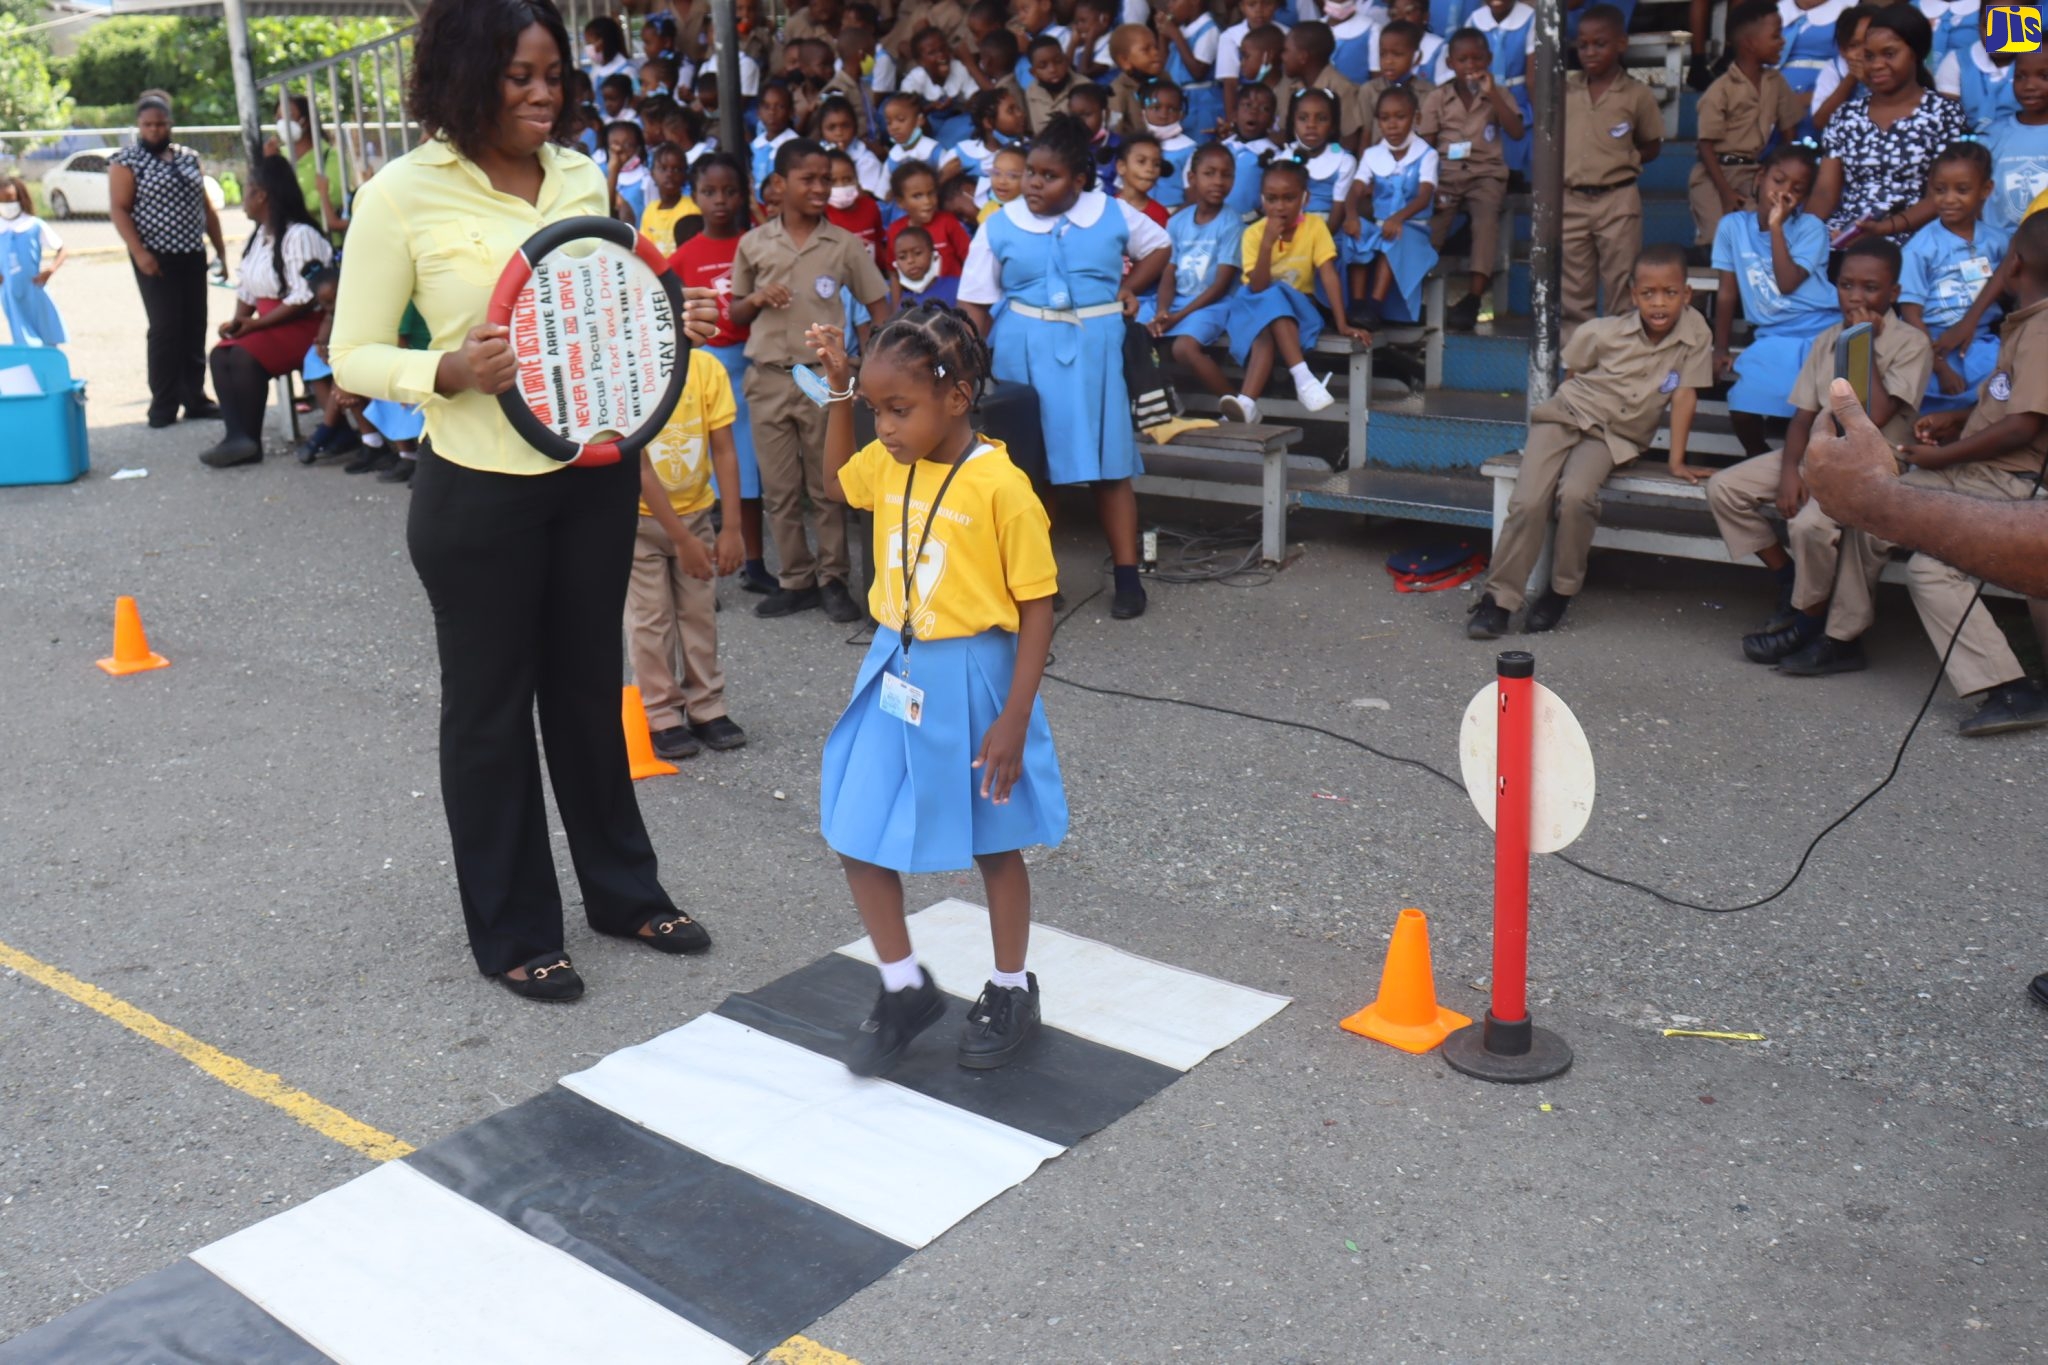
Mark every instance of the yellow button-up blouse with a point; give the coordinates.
(428, 229)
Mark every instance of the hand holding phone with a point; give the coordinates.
(1855, 359)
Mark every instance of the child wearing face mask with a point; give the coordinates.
(1354, 32)
(1090, 104)
(850, 207)
(25, 240)
(1232, 68)
(917, 279)
(903, 117)
(1163, 107)
(837, 123)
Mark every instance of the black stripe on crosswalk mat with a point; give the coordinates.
(179, 1316)
(734, 1255)
(1060, 1088)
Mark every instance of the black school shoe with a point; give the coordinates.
(2015, 706)
(1825, 657)
(1547, 613)
(718, 733)
(999, 1025)
(787, 602)
(1463, 315)
(1128, 605)
(549, 977)
(1487, 619)
(1770, 646)
(756, 579)
(676, 742)
(398, 473)
(372, 459)
(897, 1018)
(838, 603)
(231, 452)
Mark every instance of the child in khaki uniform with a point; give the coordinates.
(1620, 372)
(1399, 67)
(1738, 115)
(671, 603)
(786, 278)
(1305, 64)
(1140, 60)
(1467, 122)
(1830, 575)
(1611, 127)
(1995, 450)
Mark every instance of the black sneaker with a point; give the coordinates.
(2015, 706)
(231, 452)
(999, 1025)
(398, 473)
(898, 1017)
(1367, 314)
(718, 733)
(676, 742)
(1463, 315)
(756, 578)
(1128, 604)
(839, 604)
(1775, 646)
(787, 602)
(1546, 613)
(1823, 657)
(1488, 619)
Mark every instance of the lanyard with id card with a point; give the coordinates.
(899, 697)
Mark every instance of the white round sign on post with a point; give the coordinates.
(1560, 763)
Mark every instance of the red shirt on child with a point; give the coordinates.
(863, 220)
(705, 262)
(949, 243)
(1154, 210)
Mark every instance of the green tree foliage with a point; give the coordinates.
(31, 96)
(117, 59)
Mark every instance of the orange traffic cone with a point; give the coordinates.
(640, 744)
(131, 646)
(1406, 1015)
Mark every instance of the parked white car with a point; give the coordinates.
(79, 185)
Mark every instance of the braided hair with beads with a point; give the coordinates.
(941, 338)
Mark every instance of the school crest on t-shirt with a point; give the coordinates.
(2000, 387)
(931, 568)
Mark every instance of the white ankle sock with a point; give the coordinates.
(1015, 981)
(1301, 373)
(901, 976)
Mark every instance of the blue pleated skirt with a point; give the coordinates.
(1204, 324)
(734, 358)
(313, 367)
(1084, 404)
(395, 421)
(1976, 361)
(1252, 312)
(908, 797)
(1770, 365)
(1411, 256)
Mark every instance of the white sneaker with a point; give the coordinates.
(1314, 394)
(1238, 408)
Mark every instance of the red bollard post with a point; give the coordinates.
(1507, 1046)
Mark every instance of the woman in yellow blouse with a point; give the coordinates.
(524, 560)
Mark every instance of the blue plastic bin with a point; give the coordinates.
(45, 434)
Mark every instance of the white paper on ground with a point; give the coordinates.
(1163, 1013)
(121, 474)
(905, 1165)
(394, 1269)
(19, 381)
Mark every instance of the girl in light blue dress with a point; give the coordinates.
(1809, 41)
(1775, 257)
(25, 240)
(1945, 266)
(1056, 256)
(1955, 26)
(1387, 255)
(1197, 79)
(1330, 168)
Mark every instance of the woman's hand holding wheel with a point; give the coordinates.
(484, 362)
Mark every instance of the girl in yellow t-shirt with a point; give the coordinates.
(1286, 255)
(943, 757)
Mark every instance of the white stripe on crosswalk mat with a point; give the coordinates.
(889, 1159)
(393, 1269)
(1165, 1014)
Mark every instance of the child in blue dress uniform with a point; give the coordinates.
(1955, 26)
(1056, 258)
(25, 240)
(1510, 29)
(1164, 120)
(1980, 78)
(2019, 145)
(1390, 253)
(1809, 41)
(1353, 24)
(1289, 256)
(1193, 306)
(1776, 256)
(998, 117)
(1189, 33)
(1251, 147)
(943, 758)
(1947, 264)
(1330, 168)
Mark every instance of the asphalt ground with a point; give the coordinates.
(249, 846)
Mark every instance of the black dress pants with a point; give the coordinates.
(175, 303)
(527, 576)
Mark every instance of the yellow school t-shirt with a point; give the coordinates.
(681, 451)
(990, 209)
(990, 548)
(658, 224)
(1297, 262)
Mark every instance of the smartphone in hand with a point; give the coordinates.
(1855, 360)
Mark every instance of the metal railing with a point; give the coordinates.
(360, 95)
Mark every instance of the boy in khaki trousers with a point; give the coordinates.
(671, 602)
(1611, 127)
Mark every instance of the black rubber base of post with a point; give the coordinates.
(1513, 1054)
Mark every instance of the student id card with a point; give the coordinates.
(901, 700)
(1976, 270)
(1457, 151)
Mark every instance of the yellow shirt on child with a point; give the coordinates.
(1296, 262)
(990, 548)
(990, 209)
(681, 451)
(658, 224)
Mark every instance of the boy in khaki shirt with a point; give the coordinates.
(1052, 83)
(1620, 373)
(1611, 127)
(1468, 122)
(786, 278)
(1830, 574)
(1305, 64)
(1996, 449)
(1139, 60)
(1738, 114)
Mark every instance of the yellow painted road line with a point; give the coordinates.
(804, 1351)
(322, 1118)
